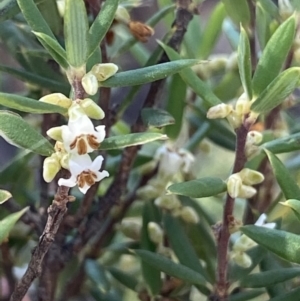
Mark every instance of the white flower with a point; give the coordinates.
(80, 136)
(84, 172)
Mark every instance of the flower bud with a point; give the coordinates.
(91, 109)
(90, 83)
(189, 215)
(254, 137)
(104, 71)
(57, 99)
(55, 133)
(219, 111)
(131, 228)
(140, 31)
(285, 9)
(51, 167)
(232, 62)
(242, 105)
(247, 192)
(235, 119)
(169, 202)
(122, 15)
(243, 243)
(234, 185)
(147, 192)
(155, 232)
(242, 259)
(251, 177)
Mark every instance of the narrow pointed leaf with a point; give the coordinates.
(283, 144)
(199, 188)
(124, 278)
(54, 48)
(181, 244)
(244, 62)
(294, 205)
(263, 20)
(147, 74)
(76, 32)
(192, 80)
(116, 142)
(290, 296)
(277, 91)
(97, 274)
(169, 267)
(247, 295)
(34, 17)
(17, 132)
(4, 196)
(29, 105)
(238, 11)
(269, 278)
(282, 243)
(274, 55)
(101, 24)
(283, 176)
(8, 222)
(156, 117)
(35, 79)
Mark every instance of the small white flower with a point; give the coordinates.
(84, 172)
(80, 136)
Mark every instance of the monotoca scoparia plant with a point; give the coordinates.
(156, 150)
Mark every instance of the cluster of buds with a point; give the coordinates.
(239, 185)
(235, 116)
(243, 243)
(254, 138)
(131, 227)
(173, 205)
(75, 141)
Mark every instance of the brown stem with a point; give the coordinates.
(221, 290)
(7, 266)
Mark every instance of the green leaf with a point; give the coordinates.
(76, 32)
(181, 244)
(244, 62)
(17, 132)
(124, 278)
(35, 79)
(151, 276)
(147, 74)
(29, 105)
(290, 296)
(269, 278)
(263, 21)
(4, 196)
(199, 188)
(97, 274)
(8, 222)
(169, 267)
(101, 24)
(274, 55)
(176, 104)
(283, 176)
(56, 51)
(8, 8)
(156, 117)
(282, 243)
(283, 144)
(116, 142)
(34, 18)
(294, 205)
(238, 11)
(277, 91)
(247, 295)
(192, 80)
(212, 31)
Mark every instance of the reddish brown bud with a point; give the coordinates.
(140, 31)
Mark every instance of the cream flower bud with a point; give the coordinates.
(235, 119)
(219, 111)
(189, 215)
(243, 243)
(51, 167)
(285, 8)
(242, 259)
(254, 137)
(90, 83)
(169, 202)
(242, 105)
(251, 177)
(247, 192)
(122, 15)
(104, 71)
(147, 192)
(55, 133)
(131, 228)
(234, 185)
(91, 109)
(232, 62)
(155, 232)
(57, 99)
